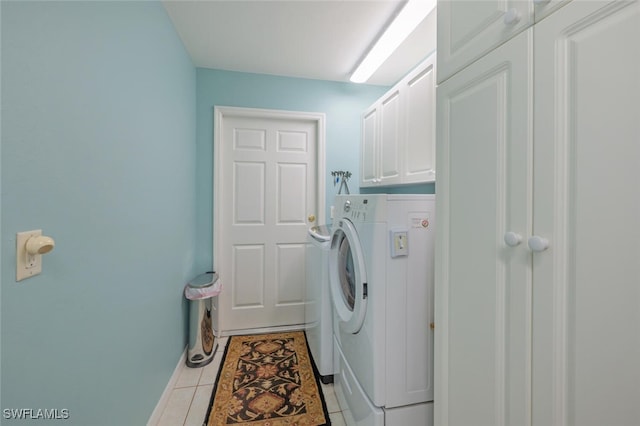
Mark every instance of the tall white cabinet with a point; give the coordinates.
(538, 251)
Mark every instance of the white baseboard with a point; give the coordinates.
(164, 398)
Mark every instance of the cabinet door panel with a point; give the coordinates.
(368, 154)
(468, 29)
(390, 138)
(483, 287)
(587, 203)
(420, 114)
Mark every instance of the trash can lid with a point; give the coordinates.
(204, 280)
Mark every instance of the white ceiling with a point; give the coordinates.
(317, 39)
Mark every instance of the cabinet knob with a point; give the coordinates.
(538, 244)
(311, 218)
(512, 239)
(511, 16)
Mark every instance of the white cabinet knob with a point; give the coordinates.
(512, 239)
(538, 244)
(511, 16)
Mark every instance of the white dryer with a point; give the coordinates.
(381, 280)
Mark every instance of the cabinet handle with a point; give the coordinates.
(538, 244)
(511, 16)
(512, 239)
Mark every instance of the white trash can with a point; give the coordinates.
(202, 343)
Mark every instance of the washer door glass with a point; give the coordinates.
(347, 277)
(346, 274)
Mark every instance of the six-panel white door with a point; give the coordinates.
(266, 196)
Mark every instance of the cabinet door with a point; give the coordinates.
(468, 29)
(420, 124)
(390, 138)
(368, 147)
(483, 287)
(587, 204)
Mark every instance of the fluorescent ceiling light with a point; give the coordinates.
(413, 12)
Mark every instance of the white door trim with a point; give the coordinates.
(222, 112)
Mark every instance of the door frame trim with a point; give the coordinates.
(222, 112)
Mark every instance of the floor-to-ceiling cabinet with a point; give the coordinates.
(538, 253)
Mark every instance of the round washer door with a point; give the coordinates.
(347, 277)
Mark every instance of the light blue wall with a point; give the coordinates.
(98, 150)
(342, 103)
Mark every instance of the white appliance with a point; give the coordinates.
(317, 308)
(381, 280)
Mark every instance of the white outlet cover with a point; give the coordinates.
(26, 265)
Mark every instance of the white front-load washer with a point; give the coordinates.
(381, 279)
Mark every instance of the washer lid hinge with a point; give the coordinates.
(364, 290)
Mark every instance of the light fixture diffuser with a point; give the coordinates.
(413, 12)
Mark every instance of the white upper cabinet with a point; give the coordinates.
(369, 146)
(468, 29)
(420, 126)
(390, 137)
(398, 132)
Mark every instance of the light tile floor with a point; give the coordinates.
(189, 399)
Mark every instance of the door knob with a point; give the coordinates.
(538, 244)
(311, 218)
(511, 16)
(512, 239)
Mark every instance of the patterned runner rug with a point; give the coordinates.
(267, 380)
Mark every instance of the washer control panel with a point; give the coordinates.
(358, 208)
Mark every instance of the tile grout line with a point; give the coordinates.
(186, 417)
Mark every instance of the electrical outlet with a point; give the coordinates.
(399, 243)
(27, 265)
